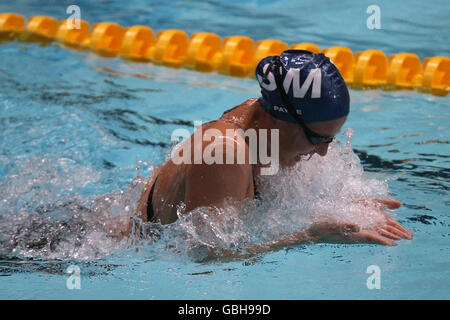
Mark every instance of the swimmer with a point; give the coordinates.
(305, 98)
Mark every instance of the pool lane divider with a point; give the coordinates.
(235, 55)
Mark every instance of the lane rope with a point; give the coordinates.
(234, 56)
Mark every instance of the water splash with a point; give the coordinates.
(39, 181)
(334, 187)
(54, 225)
(44, 214)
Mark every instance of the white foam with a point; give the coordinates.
(334, 187)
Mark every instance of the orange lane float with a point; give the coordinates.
(40, 29)
(137, 42)
(371, 68)
(265, 48)
(405, 70)
(170, 48)
(11, 24)
(204, 53)
(106, 38)
(436, 76)
(72, 35)
(238, 55)
(344, 60)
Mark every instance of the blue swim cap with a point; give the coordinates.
(312, 82)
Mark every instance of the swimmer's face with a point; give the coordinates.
(294, 144)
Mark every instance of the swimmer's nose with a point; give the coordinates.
(322, 149)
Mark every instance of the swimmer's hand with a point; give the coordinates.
(392, 226)
(339, 232)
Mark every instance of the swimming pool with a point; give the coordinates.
(75, 126)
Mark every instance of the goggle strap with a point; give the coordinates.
(276, 62)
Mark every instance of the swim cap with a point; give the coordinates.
(311, 81)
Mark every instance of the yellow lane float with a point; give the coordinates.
(405, 70)
(137, 43)
(11, 24)
(344, 60)
(106, 38)
(204, 53)
(237, 58)
(436, 77)
(74, 36)
(371, 68)
(40, 29)
(171, 48)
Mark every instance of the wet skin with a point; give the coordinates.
(198, 185)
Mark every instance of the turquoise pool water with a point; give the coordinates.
(76, 126)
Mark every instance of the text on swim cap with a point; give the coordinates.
(292, 77)
(283, 109)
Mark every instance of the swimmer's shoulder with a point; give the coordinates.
(239, 108)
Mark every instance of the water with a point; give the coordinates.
(78, 132)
